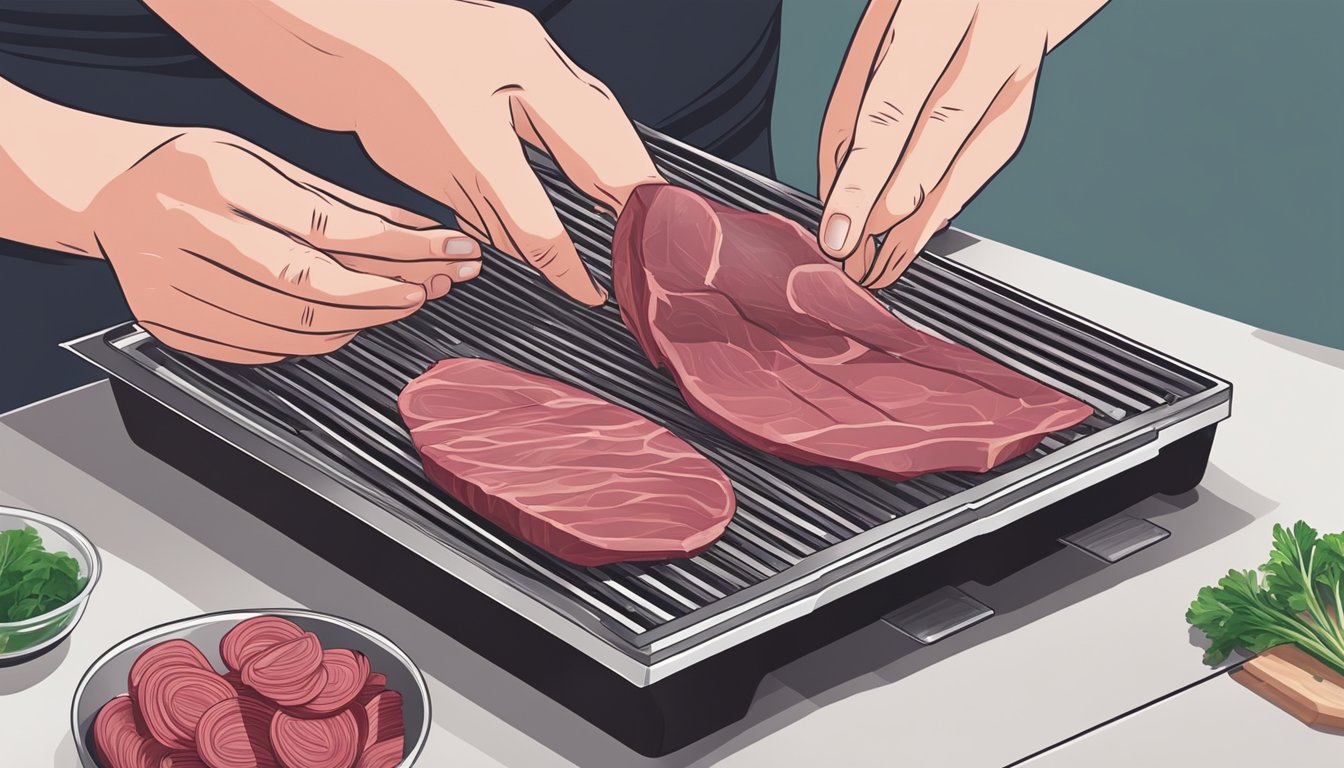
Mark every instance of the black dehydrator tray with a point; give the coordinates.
(315, 447)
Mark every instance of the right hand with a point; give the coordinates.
(465, 84)
(226, 251)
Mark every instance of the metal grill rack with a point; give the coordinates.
(800, 537)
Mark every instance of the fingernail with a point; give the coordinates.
(439, 285)
(459, 246)
(415, 295)
(837, 229)
(468, 270)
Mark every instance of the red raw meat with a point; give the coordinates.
(375, 685)
(383, 718)
(329, 742)
(383, 754)
(347, 673)
(173, 699)
(236, 680)
(288, 673)
(183, 759)
(166, 654)
(252, 636)
(237, 734)
(117, 741)
(770, 341)
(584, 479)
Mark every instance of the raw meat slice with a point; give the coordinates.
(383, 718)
(166, 654)
(383, 754)
(329, 742)
(183, 759)
(769, 341)
(584, 479)
(118, 742)
(375, 685)
(254, 635)
(288, 673)
(347, 673)
(237, 734)
(236, 680)
(173, 699)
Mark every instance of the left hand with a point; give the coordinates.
(933, 99)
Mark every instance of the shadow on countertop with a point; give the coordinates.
(1026, 584)
(1319, 352)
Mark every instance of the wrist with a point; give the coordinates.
(55, 161)
(319, 61)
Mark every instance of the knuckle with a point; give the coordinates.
(903, 199)
(319, 218)
(298, 268)
(543, 256)
(946, 113)
(883, 116)
(309, 313)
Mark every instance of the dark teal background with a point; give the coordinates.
(1192, 148)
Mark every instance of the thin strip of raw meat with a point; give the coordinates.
(236, 733)
(118, 742)
(584, 479)
(347, 673)
(770, 341)
(252, 636)
(383, 754)
(289, 673)
(173, 699)
(166, 654)
(329, 742)
(383, 718)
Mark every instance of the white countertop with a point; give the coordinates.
(1073, 645)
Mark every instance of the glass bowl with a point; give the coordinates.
(27, 639)
(107, 677)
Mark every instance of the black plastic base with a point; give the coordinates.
(687, 706)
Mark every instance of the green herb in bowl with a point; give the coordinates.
(33, 580)
(47, 572)
(1299, 600)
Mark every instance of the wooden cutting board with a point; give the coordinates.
(1297, 683)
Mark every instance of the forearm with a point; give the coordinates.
(321, 61)
(54, 160)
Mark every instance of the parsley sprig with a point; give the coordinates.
(1297, 597)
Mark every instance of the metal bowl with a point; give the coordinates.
(27, 639)
(107, 677)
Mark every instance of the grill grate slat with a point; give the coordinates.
(339, 412)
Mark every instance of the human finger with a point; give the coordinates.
(182, 312)
(436, 277)
(866, 49)
(265, 256)
(578, 122)
(213, 350)
(302, 177)
(925, 36)
(520, 217)
(985, 68)
(997, 139)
